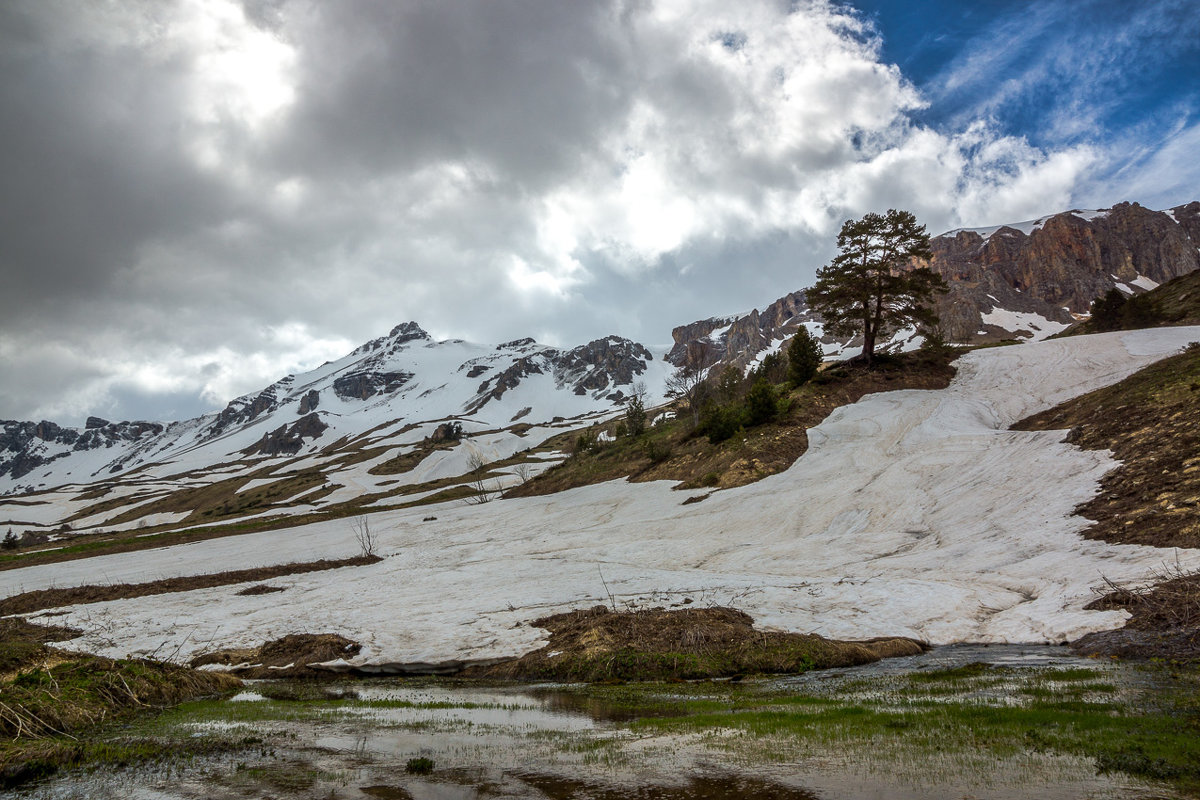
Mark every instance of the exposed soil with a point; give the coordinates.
(1151, 422)
(56, 598)
(288, 657)
(1165, 621)
(674, 453)
(598, 645)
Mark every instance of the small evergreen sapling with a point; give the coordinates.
(804, 357)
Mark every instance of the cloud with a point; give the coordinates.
(200, 197)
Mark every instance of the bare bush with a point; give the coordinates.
(480, 493)
(364, 536)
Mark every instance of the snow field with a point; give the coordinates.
(913, 513)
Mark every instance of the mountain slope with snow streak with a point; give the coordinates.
(396, 381)
(913, 513)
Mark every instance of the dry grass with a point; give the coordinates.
(39, 599)
(52, 701)
(1164, 621)
(1151, 422)
(1172, 602)
(599, 644)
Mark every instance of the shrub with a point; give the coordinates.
(1139, 311)
(804, 357)
(762, 403)
(585, 442)
(656, 450)
(721, 422)
(635, 416)
(419, 766)
(1106, 310)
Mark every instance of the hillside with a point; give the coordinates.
(405, 420)
(912, 513)
(1150, 423)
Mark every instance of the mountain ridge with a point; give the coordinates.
(1020, 280)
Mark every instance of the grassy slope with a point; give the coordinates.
(53, 701)
(1176, 302)
(747, 457)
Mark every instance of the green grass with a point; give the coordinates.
(1066, 712)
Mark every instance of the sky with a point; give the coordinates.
(202, 196)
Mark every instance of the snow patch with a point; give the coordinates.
(1014, 321)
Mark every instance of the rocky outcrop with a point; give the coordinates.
(288, 439)
(597, 367)
(249, 407)
(1188, 217)
(26, 446)
(593, 367)
(399, 336)
(309, 402)
(362, 385)
(737, 340)
(509, 378)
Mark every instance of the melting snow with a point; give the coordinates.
(913, 512)
(1015, 321)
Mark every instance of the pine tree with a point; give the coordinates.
(804, 357)
(869, 285)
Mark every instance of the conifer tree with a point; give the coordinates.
(870, 285)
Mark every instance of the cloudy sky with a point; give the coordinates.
(200, 196)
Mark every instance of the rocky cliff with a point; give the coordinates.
(1054, 267)
(1024, 280)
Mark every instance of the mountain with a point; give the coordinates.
(1039, 276)
(404, 381)
(1025, 280)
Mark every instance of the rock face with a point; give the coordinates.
(362, 385)
(1026, 281)
(26, 446)
(1062, 263)
(289, 439)
(739, 339)
(592, 369)
(309, 402)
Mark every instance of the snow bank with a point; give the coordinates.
(914, 512)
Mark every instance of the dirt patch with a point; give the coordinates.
(288, 657)
(1151, 423)
(258, 589)
(56, 598)
(598, 644)
(1164, 621)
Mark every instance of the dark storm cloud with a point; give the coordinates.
(524, 87)
(91, 162)
(200, 197)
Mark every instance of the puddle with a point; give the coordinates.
(355, 741)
